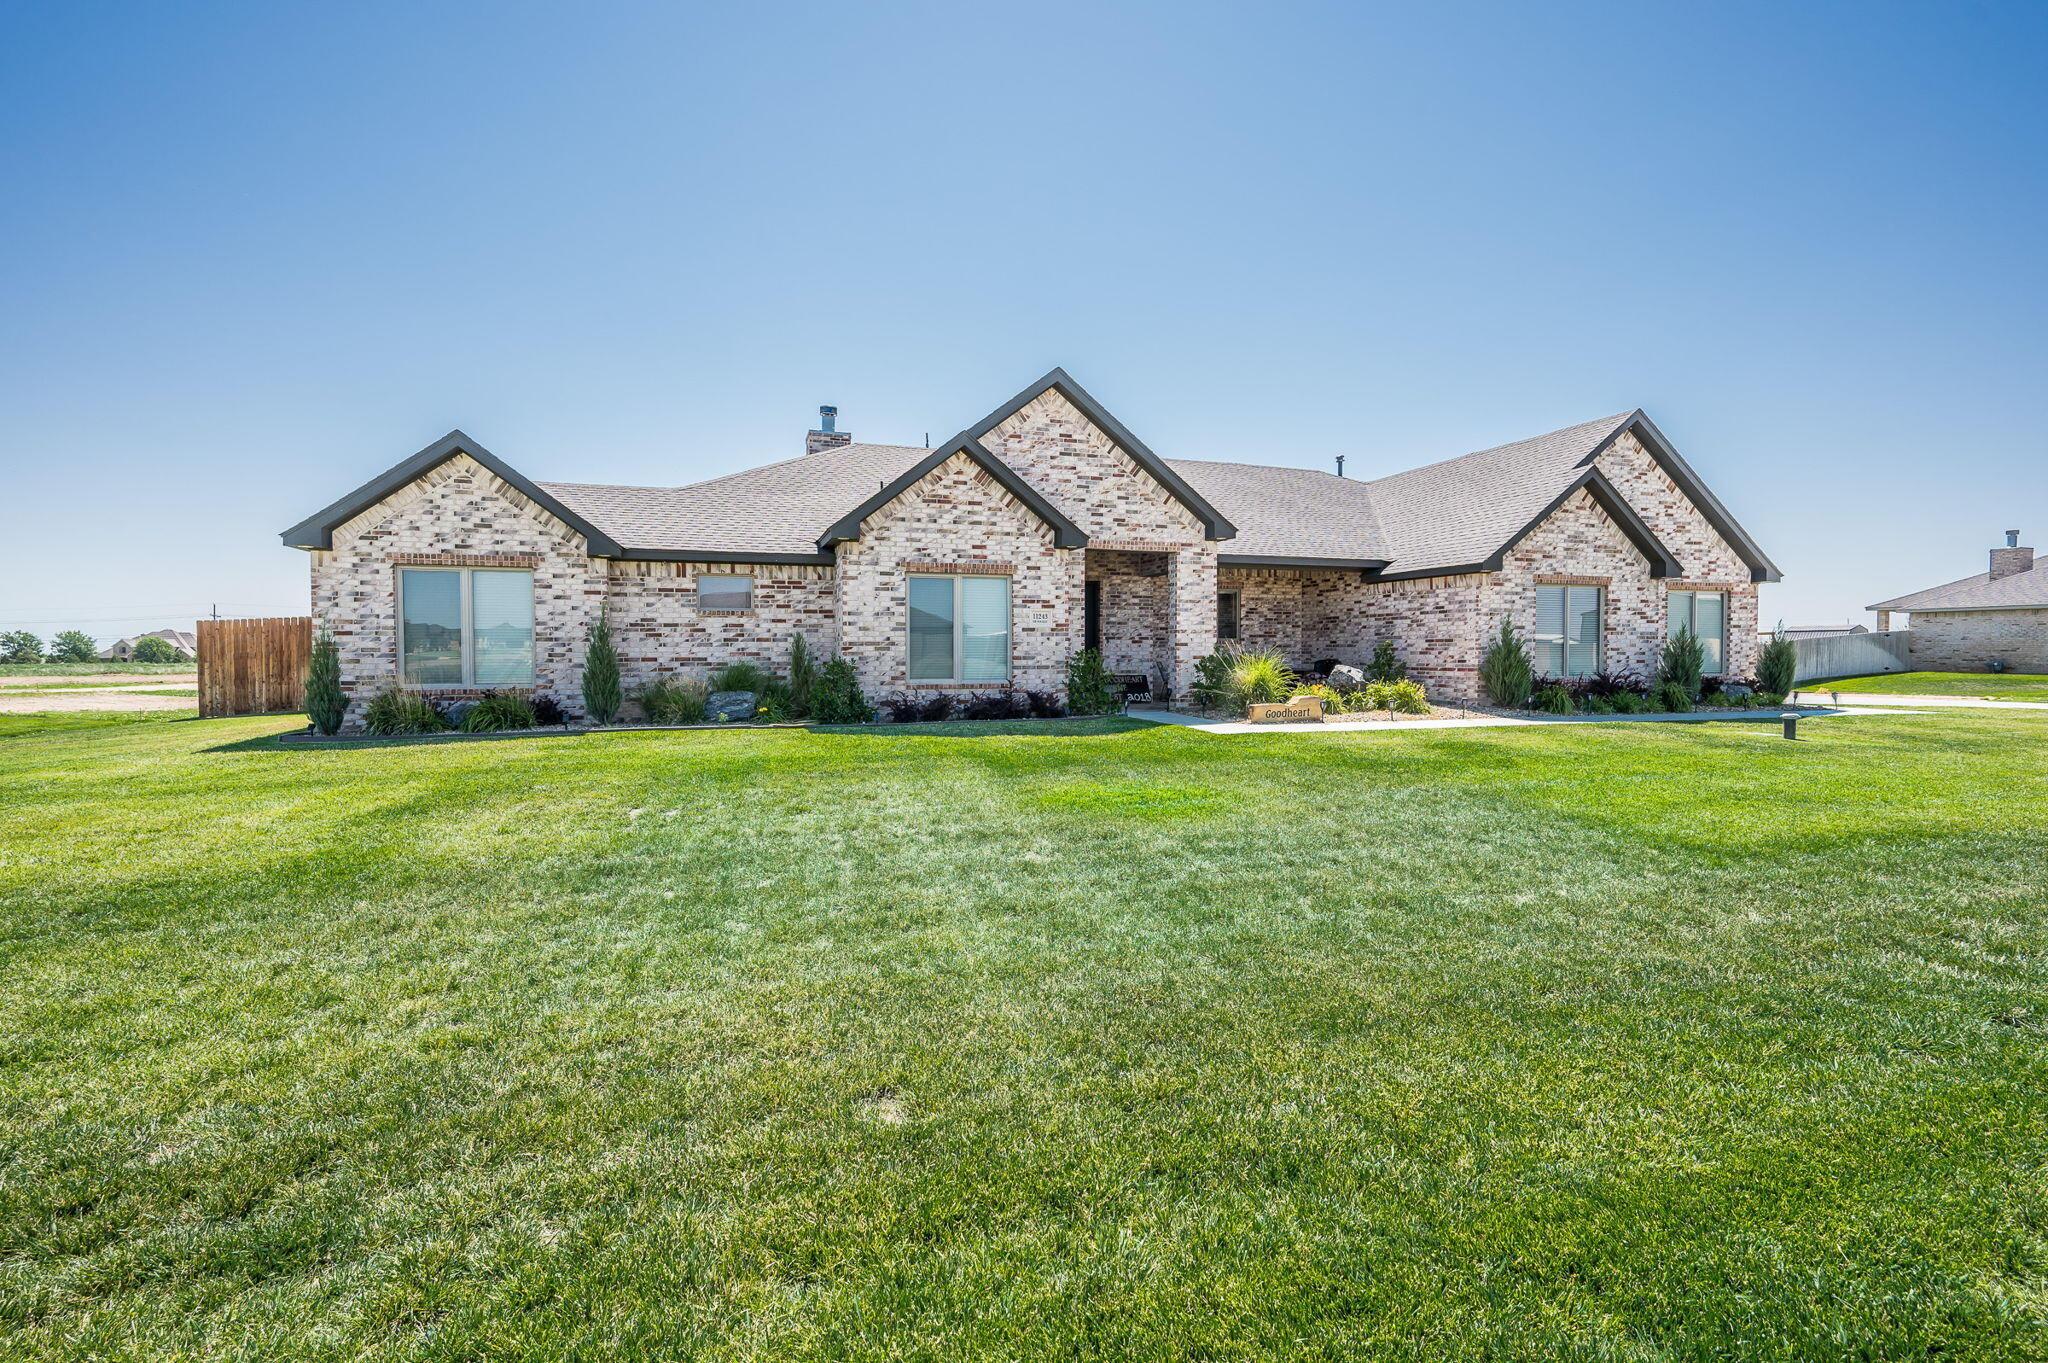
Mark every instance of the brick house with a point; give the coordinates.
(987, 560)
(2000, 616)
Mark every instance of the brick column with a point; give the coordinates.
(1191, 610)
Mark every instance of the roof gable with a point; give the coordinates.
(1595, 485)
(1066, 535)
(317, 530)
(1214, 525)
(1666, 455)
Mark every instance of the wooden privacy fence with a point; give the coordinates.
(253, 667)
(1852, 655)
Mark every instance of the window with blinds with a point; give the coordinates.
(959, 629)
(1567, 639)
(1706, 615)
(465, 626)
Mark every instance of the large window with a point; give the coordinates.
(960, 629)
(465, 626)
(1706, 615)
(1226, 615)
(725, 592)
(1567, 639)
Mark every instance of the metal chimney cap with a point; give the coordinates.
(2012, 539)
(828, 418)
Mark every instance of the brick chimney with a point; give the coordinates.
(827, 436)
(2014, 557)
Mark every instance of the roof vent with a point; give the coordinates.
(827, 436)
(1340, 466)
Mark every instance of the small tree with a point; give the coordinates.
(1091, 690)
(601, 695)
(325, 702)
(1505, 673)
(72, 646)
(803, 677)
(20, 647)
(1386, 665)
(150, 649)
(836, 696)
(1684, 662)
(1778, 663)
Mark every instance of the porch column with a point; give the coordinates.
(1190, 610)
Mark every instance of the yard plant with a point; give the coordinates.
(602, 694)
(1038, 1040)
(1091, 688)
(1777, 663)
(326, 703)
(1505, 672)
(150, 649)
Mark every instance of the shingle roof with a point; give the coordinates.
(778, 509)
(1458, 515)
(2014, 591)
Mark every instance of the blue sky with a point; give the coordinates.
(253, 255)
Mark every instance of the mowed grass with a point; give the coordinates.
(95, 668)
(1085, 1040)
(1989, 685)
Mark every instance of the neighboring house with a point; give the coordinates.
(1999, 616)
(121, 650)
(1796, 632)
(989, 559)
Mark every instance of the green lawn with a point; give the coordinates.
(1621, 1042)
(1991, 685)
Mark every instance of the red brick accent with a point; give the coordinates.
(1571, 580)
(967, 566)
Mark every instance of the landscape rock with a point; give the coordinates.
(1345, 677)
(725, 707)
(1738, 691)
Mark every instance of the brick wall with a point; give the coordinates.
(659, 630)
(1969, 641)
(1137, 635)
(957, 519)
(460, 514)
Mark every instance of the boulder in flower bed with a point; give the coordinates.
(727, 707)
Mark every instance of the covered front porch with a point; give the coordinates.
(1151, 612)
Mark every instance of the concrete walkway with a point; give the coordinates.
(1866, 698)
(1156, 715)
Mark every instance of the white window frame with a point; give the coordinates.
(960, 625)
(1564, 641)
(1692, 621)
(468, 682)
(1237, 615)
(747, 578)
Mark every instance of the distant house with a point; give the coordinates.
(1811, 631)
(121, 650)
(1996, 618)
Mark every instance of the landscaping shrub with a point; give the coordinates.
(72, 646)
(22, 647)
(1595, 705)
(395, 710)
(1259, 678)
(1767, 700)
(1777, 663)
(494, 711)
(548, 712)
(1630, 703)
(1683, 660)
(773, 703)
(1091, 689)
(1405, 698)
(1553, 699)
(674, 700)
(1603, 684)
(995, 705)
(836, 697)
(1332, 699)
(741, 676)
(601, 694)
(915, 707)
(1670, 697)
(803, 677)
(1045, 704)
(1385, 665)
(1505, 673)
(153, 650)
(325, 703)
(1212, 678)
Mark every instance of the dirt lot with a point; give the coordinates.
(97, 691)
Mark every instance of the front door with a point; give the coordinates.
(1092, 617)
